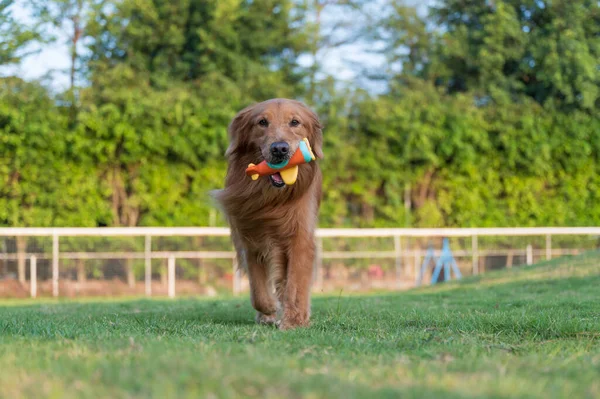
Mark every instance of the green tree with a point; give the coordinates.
(69, 18)
(15, 36)
(548, 51)
(41, 186)
(501, 50)
(253, 45)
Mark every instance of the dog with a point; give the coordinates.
(272, 224)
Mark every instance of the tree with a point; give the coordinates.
(330, 24)
(252, 45)
(41, 185)
(548, 51)
(409, 42)
(70, 18)
(15, 36)
(501, 51)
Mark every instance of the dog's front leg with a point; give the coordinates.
(260, 294)
(296, 295)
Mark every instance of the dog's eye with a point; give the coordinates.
(263, 122)
(294, 122)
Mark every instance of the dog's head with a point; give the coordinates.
(272, 131)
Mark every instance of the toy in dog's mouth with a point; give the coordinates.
(285, 172)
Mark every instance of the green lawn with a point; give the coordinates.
(529, 332)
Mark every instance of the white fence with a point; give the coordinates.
(405, 250)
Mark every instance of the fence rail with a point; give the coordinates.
(398, 253)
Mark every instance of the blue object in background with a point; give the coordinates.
(445, 261)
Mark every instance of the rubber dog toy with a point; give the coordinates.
(287, 169)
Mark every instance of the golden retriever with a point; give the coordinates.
(272, 224)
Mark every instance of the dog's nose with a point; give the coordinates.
(280, 149)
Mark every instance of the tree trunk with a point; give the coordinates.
(367, 212)
(314, 68)
(422, 190)
(21, 248)
(77, 34)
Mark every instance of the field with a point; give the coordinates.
(525, 332)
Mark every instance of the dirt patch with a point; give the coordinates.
(11, 288)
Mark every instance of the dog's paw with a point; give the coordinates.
(292, 322)
(262, 318)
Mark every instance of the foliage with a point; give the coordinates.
(15, 37)
(41, 185)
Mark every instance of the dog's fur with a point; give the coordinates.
(273, 228)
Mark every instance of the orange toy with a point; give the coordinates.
(287, 169)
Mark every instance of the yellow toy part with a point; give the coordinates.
(255, 176)
(290, 175)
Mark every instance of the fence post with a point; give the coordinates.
(548, 247)
(171, 276)
(33, 276)
(475, 255)
(21, 259)
(148, 265)
(398, 253)
(529, 254)
(55, 254)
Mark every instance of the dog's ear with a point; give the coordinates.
(315, 135)
(238, 131)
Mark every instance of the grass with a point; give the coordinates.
(528, 332)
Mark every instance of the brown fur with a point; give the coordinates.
(273, 228)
